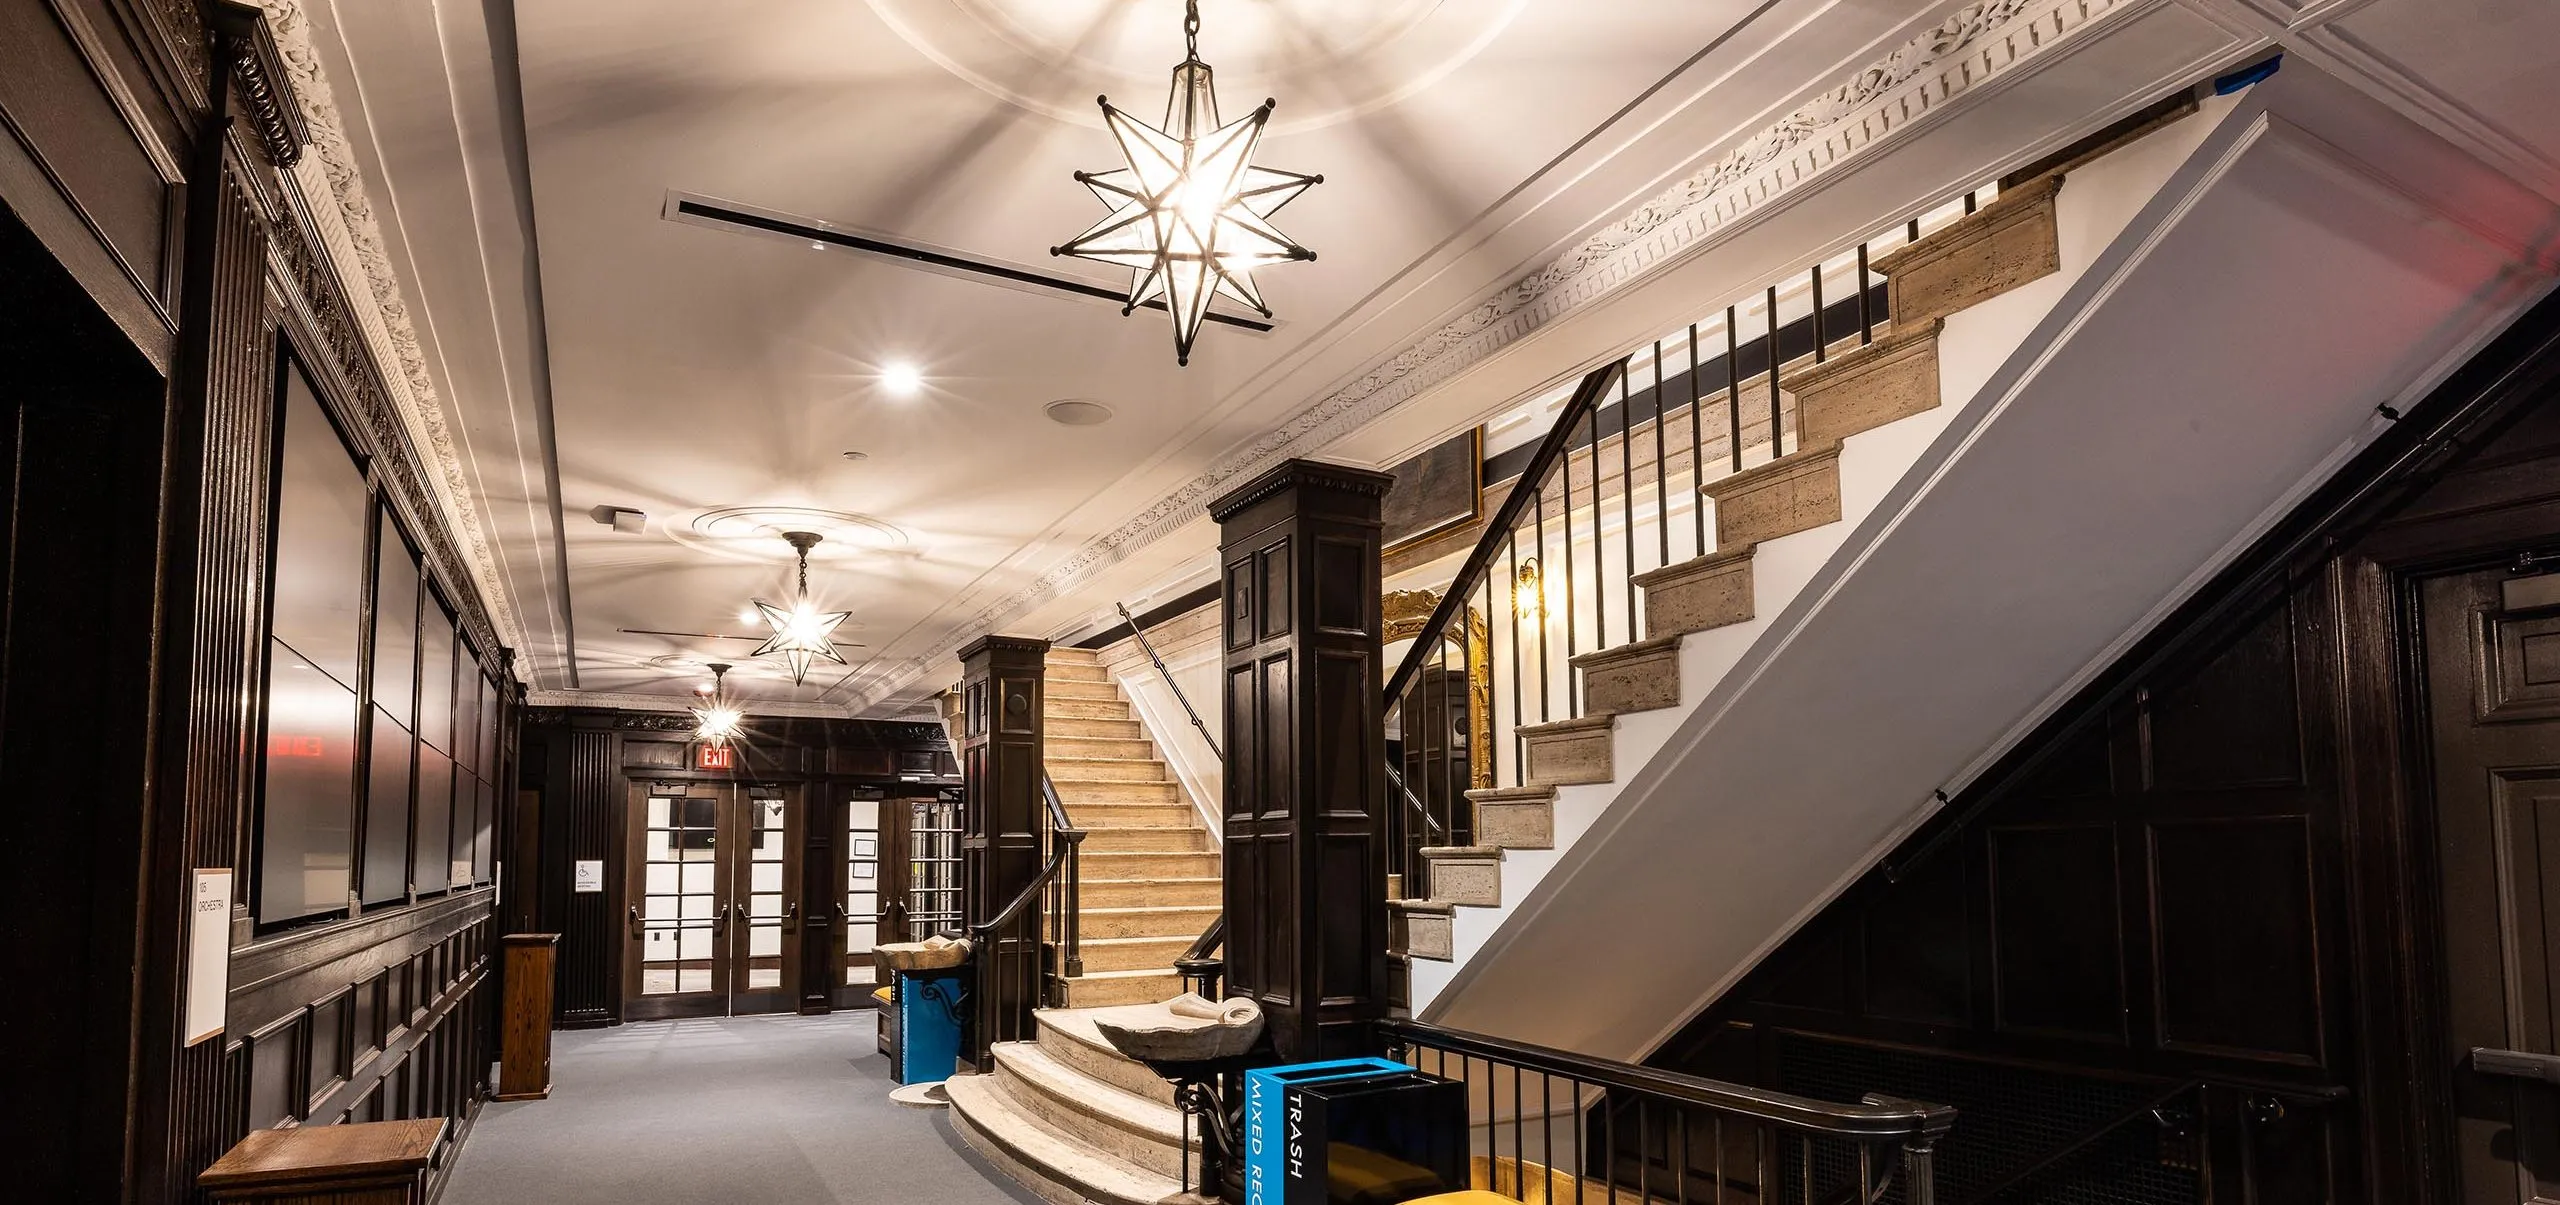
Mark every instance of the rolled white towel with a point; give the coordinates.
(1189, 1004)
(1238, 1011)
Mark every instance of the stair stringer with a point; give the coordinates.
(2450, 268)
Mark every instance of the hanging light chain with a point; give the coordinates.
(1191, 27)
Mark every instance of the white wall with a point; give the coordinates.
(1189, 646)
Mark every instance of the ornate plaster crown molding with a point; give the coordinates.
(353, 241)
(1912, 85)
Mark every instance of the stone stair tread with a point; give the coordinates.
(1135, 941)
(1104, 1102)
(1181, 880)
(1623, 652)
(1030, 1142)
(1577, 724)
(1511, 794)
(1422, 905)
(1141, 973)
(1138, 909)
(1462, 851)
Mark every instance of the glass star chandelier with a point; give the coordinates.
(802, 634)
(717, 721)
(1189, 215)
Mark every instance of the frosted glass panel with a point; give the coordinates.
(765, 876)
(663, 879)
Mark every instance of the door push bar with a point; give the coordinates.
(2516, 1064)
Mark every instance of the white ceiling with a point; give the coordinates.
(586, 352)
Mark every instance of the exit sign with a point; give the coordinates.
(715, 757)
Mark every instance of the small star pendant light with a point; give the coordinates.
(717, 721)
(802, 634)
(1189, 215)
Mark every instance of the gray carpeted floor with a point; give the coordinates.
(770, 1110)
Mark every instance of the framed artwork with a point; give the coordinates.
(1437, 489)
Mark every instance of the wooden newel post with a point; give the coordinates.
(1001, 828)
(1305, 831)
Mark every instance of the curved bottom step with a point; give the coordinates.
(1056, 1169)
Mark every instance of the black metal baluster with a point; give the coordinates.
(1519, 1143)
(1546, 1128)
(1697, 444)
(1546, 688)
(1719, 1136)
(1599, 538)
(1680, 1170)
(1804, 1185)
(1572, 612)
(1644, 1152)
(1512, 557)
(1970, 204)
(1491, 753)
(1627, 494)
(1777, 441)
(1581, 1166)
(1661, 473)
(1821, 340)
(1866, 320)
(1912, 235)
(1733, 385)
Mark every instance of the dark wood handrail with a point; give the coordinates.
(1872, 1122)
(1497, 531)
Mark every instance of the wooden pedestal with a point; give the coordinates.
(524, 1020)
(369, 1163)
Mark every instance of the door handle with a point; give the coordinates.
(2516, 1064)
(791, 916)
(635, 922)
(720, 920)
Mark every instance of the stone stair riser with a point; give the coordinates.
(1092, 692)
(1641, 676)
(1055, 709)
(1061, 727)
(1072, 671)
(1698, 595)
(1797, 492)
(1135, 954)
(1420, 934)
(1144, 840)
(1862, 390)
(1108, 1066)
(1043, 1160)
(1568, 752)
(1147, 893)
(1057, 744)
(1095, 992)
(1466, 876)
(1081, 769)
(2012, 241)
(1516, 823)
(1077, 793)
(1118, 864)
(1071, 1119)
(1092, 817)
(1171, 922)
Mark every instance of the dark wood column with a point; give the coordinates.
(1305, 836)
(1001, 825)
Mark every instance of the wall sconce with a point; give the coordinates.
(1529, 590)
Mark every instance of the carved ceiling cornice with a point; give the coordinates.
(1909, 87)
(351, 237)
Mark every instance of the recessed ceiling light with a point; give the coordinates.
(857, 455)
(901, 378)
(750, 615)
(1078, 412)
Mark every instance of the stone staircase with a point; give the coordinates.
(1074, 1120)
(1149, 881)
(1789, 511)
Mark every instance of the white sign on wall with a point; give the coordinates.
(589, 875)
(208, 954)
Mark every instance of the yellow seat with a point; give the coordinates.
(883, 996)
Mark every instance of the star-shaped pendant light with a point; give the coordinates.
(802, 634)
(1189, 215)
(717, 721)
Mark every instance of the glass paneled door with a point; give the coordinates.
(713, 918)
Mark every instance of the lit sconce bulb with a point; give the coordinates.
(1529, 590)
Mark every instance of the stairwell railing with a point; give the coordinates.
(1020, 955)
(1614, 491)
(1557, 1126)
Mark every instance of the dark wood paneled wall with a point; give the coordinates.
(2214, 867)
(575, 770)
(1305, 829)
(158, 260)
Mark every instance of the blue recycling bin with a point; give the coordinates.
(931, 1005)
